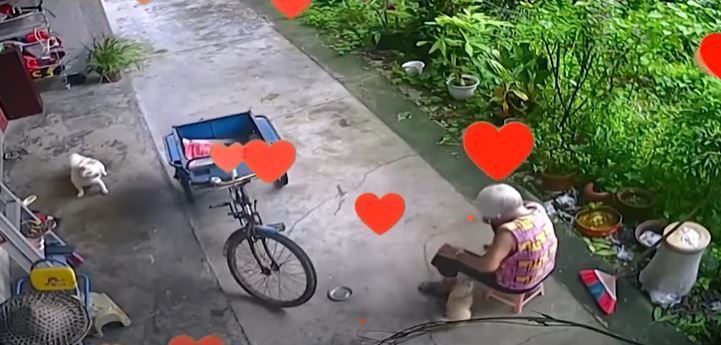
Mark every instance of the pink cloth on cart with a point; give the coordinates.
(196, 149)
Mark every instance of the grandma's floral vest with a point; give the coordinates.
(534, 256)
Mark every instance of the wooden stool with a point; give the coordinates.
(517, 301)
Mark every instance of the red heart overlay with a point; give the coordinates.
(227, 158)
(291, 8)
(709, 54)
(498, 152)
(186, 340)
(269, 162)
(379, 214)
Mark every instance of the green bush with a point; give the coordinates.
(350, 25)
(462, 43)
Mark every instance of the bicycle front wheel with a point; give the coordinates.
(272, 268)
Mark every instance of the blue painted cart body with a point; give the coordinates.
(240, 128)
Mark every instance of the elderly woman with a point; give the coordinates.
(522, 254)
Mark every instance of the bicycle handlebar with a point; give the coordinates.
(217, 182)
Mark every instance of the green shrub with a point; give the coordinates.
(350, 25)
(462, 43)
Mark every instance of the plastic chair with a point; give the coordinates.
(60, 277)
(517, 301)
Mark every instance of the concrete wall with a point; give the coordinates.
(76, 22)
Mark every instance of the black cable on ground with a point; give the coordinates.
(544, 321)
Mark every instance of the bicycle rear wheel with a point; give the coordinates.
(265, 281)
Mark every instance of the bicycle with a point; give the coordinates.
(258, 236)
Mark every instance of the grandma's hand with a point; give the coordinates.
(449, 251)
(459, 253)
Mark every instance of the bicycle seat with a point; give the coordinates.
(242, 180)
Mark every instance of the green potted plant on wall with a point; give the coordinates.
(555, 157)
(461, 44)
(517, 73)
(111, 56)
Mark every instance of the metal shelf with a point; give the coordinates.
(28, 22)
(20, 248)
(22, 24)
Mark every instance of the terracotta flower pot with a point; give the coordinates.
(600, 222)
(635, 203)
(111, 78)
(558, 183)
(654, 225)
(591, 194)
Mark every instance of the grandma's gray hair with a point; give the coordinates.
(498, 201)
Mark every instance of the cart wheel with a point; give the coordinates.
(282, 181)
(185, 183)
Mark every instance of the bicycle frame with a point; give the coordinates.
(251, 223)
(242, 209)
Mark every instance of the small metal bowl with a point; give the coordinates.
(340, 293)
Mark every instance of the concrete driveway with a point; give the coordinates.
(218, 57)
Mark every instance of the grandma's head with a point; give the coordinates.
(500, 203)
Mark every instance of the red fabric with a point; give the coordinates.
(6, 9)
(197, 148)
(32, 37)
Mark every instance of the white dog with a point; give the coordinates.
(460, 300)
(86, 172)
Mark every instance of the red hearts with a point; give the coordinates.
(498, 152)
(709, 54)
(291, 8)
(186, 340)
(269, 162)
(379, 214)
(227, 158)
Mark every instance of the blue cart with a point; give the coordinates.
(197, 172)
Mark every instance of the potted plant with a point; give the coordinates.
(414, 67)
(517, 73)
(656, 226)
(635, 203)
(558, 173)
(461, 44)
(510, 99)
(598, 220)
(462, 86)
(111, 56)
(554, 159)
(592, 192)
